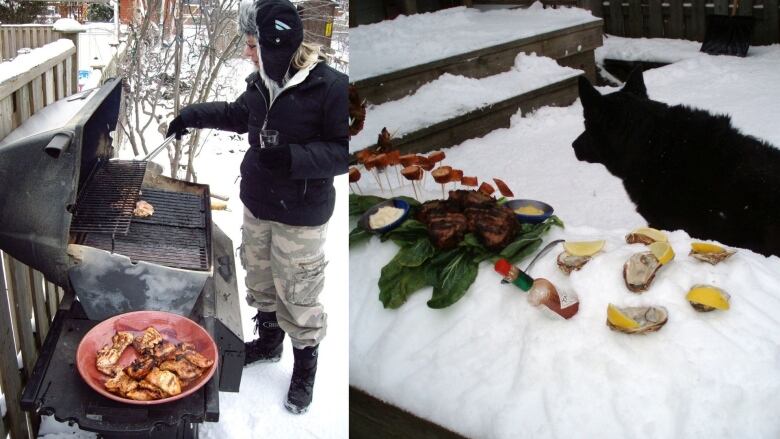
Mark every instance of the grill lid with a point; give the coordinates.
(41, 175)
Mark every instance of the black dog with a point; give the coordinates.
(684, 168)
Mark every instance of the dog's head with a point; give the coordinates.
(607, 118)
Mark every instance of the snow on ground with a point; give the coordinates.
(421, 38)
(492, 366)
(450, 96)
(663, 50)
(257, 410)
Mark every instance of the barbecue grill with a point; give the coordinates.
(68, 213)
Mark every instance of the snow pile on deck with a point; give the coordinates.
(450, 96)
(492, 366)
(25, 62)
(421, 38)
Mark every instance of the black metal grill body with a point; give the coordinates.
(55, 387)
(40, 176)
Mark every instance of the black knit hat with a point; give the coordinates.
(280, 33)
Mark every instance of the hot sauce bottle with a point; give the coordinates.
(541, 292)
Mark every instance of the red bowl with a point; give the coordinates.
(173, 327)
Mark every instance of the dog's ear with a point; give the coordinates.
(635, 84)
(590, 97)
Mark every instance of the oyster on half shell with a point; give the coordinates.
(649, 318)
(639, 271)
(568, 262)
(711, 257)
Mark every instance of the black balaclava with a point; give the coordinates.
(280, 33)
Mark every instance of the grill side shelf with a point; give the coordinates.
(107, 200)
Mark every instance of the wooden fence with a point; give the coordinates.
(679, 19)
(31, 36)
(27, 301)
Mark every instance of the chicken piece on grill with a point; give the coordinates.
(143, 209)
(140, 367)
(446, 230)
(121, 384)
(185, 370)
(495, 226)
(164, 380)
(148, 340)
(164, 351)
(108, 355)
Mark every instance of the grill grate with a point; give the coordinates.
(177, 247)
(174, 209)
(107, 201)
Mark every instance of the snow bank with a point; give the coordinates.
(417, 39)
(450, 96)
(26, 62)
(68, 25)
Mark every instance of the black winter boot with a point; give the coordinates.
(267, 347)
(302, 383)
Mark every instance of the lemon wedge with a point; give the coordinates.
(646, 235)
(663, 251)
(706, 247)
(708, 296)
(583, 248)
(617, 318)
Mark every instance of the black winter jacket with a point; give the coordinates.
(312, 117)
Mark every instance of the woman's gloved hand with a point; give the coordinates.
(276, 159)
(177, 128)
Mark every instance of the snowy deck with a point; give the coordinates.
(452, 109)
(393, 58)
(492, 366)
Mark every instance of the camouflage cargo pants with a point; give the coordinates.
(285, 273)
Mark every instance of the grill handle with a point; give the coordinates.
(157, 150)
(57, 144)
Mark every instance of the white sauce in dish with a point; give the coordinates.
(385, 216)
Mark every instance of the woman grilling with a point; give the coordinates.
(286, 182)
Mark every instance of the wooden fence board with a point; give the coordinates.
(771, 20)
(23, 104)
(9, 369)
(37, 94)
(721, 7)
(21, 294)
(675, 29)
(616, 26)
(634, 18)
(59, 84)
(48, 85)
(698, 20)
(69, 89)
(40, 312)
(52, 301)
(745, 7)
(6, 123)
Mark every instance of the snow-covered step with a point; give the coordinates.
(451, 109)
(393, 58)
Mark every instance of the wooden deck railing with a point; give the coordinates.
(27, 301)
(31, 36)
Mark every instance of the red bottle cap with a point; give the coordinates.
(502, 267)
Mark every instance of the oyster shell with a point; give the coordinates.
(650, 319)
(639, 271)
(707, 308)
(568, 262)
(712, 257)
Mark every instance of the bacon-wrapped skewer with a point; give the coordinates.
(441, 175)
(357, 111)
(469, 181)
(354, 176)
(381, 162)
(384, 140)
(455, 177)
(486, 188)
(437, 157)
(503, 188)
(413, 173)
